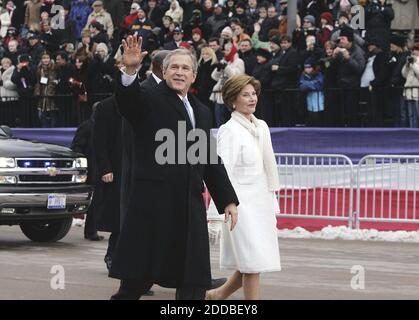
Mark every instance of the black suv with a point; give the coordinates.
(42, 186)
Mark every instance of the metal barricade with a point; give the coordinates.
(317, 186)
(387, 189)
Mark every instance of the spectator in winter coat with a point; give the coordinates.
(32, 14)
(263, 73)
(8, 90)
(6, 15)
(204, 82)
(175, 12)
(247, 54)
(100, 15)
(378, 17)
(394, 97)
(326, 22)
(410, 72)
(231, 65)
(350, 62)
(217, 21)
(311, 82)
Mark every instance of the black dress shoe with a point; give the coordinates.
(108, 261)
(216, 283)
(94, 237)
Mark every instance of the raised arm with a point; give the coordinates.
(128, 93)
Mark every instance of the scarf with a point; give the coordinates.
(229, 57)
(265, 146)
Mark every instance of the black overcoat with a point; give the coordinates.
(164, 238)
(108, 154)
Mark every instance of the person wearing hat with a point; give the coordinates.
(177, 39)
(175, 12)
(262, 72)
(143, 27)
(36, 49)
(311, 82)
(350, 64)
(217, 21)
(343, 21)
(100, 15)
(394, 99)
(197, 41)
(131, 17)
(326, 22)
(97, 33)
(374, 82)
(300, 34)
(410, 72)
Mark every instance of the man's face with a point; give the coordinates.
(307, 24)
(101, 53)
(344, 43)
(239, 10)
(253, 3)
(12, 46)
(245, 46)
(33, 42)
(343, 21)
(285, 45)
(177, 36)
(271, 12)
(152, 4)
(262, 13)
(274, 46)
(97, 8)
(179, 74)
(60, 61)
(218, 10)
(141, 14)
(214, 45)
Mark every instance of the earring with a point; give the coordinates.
(234, 107)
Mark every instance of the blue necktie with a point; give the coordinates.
(188, 108)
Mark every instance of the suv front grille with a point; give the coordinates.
(27, 178)
(44, 163)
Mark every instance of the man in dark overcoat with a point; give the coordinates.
(164, 238)
(108, 154)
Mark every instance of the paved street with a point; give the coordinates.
(312, 269)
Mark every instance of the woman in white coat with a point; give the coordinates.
(8, 90)
(244, 145)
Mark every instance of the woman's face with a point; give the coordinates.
(246, 101)
(308, 70)
(79, 64)
(196, 37)
(44, 15)
(166, 23)
(173, 5)
(85, 40)
(171, 27)
(416, 53)
(205, 55)
(6, 64)
(227, 48)
(46, 59)
(329, 51)
(208, 4)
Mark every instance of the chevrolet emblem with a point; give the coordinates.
(52, 171)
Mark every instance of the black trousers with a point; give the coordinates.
(133, 290)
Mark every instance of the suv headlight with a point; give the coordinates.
(81, 163)
(7, 163)
(8, 180)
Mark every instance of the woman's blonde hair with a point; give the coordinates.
(233, 86)
(211, 53)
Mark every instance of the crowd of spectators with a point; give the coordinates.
(331, 71)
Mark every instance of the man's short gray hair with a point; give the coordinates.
(180, 52)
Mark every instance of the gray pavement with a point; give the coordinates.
(311, 269)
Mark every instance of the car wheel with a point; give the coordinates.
(47, 231)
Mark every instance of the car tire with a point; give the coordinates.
(47, 231)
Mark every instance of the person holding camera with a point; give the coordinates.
(410, 72)
(229, 66)
(378, 17)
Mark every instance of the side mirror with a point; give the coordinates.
(7, 131)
